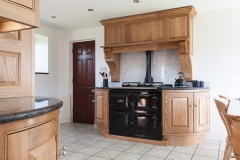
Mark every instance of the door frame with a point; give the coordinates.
(71, 71)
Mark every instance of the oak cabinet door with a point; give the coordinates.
(37, 143)
(178, 113)
(17, 64)
(101, 107)
(18, 14)
(201, 111)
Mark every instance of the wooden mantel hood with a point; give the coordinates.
(160, 30)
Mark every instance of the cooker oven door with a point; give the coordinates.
(119, 121)
(145, 101)
(120, 101)
(145, 122)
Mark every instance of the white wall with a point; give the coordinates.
(216, 57)
(41, 53)
(46, 84)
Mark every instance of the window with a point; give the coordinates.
(41, 54)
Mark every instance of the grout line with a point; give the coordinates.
(195, 151)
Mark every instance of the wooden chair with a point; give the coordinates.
(222, 106)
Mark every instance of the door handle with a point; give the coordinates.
(195, 105)
(191, 105)
(93, 101)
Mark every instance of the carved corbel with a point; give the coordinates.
(183, 47)
(113, 61)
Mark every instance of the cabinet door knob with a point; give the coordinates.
(93, 90)
(93, 101)
(191, 105)
(195, 105)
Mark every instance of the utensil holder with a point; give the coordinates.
(105, 82)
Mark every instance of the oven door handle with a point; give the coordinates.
(154, 101)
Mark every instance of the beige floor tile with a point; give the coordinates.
(97, 158)
(196, 157)
(111, 140)
(150, 158)
(126, 142)
(102, 144)
(206, 153)
(76, 156)
(90, 150)
(210, 141)
(86, 142)
(119, 147)
(209, 146)
(137, 150)
(183, 149)
(74, 147)
(179, 156)
(157, 153)
(127, 156)
(166, 148)
(144, 145)
(108, 153)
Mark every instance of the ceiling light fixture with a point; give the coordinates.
(53, 17)
(90, 9)
(135, 1)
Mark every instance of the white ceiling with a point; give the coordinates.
(74, 14)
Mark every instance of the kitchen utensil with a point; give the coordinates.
(180, 82)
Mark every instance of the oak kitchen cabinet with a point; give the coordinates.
(101, 109)
(185, 112)
(40, 142)
(29, 131)
(185, 116)
(18, 15)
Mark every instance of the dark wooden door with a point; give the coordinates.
(83, 81)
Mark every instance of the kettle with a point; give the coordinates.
(180, 82)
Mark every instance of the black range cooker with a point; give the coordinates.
(135, 110)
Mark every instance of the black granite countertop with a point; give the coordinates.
(185, 88)
(14, 109)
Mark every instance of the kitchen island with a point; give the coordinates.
(29, 128)
(184, 115)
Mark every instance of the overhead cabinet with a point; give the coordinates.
(18, 15)
(160, 30)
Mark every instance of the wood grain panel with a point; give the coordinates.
(80, 73)
(201, 111)
(41, 134)
(25, 3)
(89, 104)
(99, 106)
(9, 69)
(17, 147)
(178, 27)
(179, 108)
(143, 31)
(11, 35)
(9, 45)
(80, 104)
(89, 72)
(112, 35)
(177, 113)
(47, 151)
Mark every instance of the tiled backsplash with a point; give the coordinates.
(165, 67)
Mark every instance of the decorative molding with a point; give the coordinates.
(9, 69)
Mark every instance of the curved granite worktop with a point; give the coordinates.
(14, 109)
